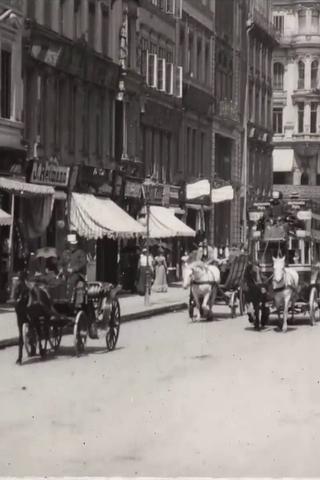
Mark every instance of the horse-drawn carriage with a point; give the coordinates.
(211, 284)
(289, 243)
(46, 308)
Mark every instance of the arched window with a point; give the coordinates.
(300, 75)
(278, 72)
(304, 179)
(314, 73)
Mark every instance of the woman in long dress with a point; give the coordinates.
(160, 283)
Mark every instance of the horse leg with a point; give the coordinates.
(256, 307)
(205, 307)
(285, 315)
(20, 344)
(212, 299)
(197, 302)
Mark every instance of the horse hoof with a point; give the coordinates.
(18, 361)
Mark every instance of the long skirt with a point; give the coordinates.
(160, 282)
(141, 282)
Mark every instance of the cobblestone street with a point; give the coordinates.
(175, 398)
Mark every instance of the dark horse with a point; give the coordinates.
(33, 306)
(256, 296)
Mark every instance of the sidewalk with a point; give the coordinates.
(132, 308)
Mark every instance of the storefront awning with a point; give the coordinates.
(18, 187)
(283, 159)
(222, 194)
(164, 224)
(96, 217)
(5, 218)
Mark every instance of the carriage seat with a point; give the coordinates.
(236, 273)
(99, 289)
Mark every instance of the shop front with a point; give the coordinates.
(30, 208)
(62, 179)
(166, 229)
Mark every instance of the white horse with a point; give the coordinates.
(285, 285)
(204, 280)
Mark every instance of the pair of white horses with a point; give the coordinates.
(205, 279)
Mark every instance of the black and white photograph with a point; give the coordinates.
(160, 238)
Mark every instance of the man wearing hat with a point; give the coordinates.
(73, 262)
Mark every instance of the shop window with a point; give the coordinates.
(313, 117)
(278, 73)
(301, 70)
(6, 61)
(280, 178)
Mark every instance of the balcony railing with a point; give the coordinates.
(229, 110)
(260, 19)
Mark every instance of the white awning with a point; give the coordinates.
(223, 194)
(5, 218)
(197, 189)
(283, 159)
(96, 217)
(164, 224)
(18, 187)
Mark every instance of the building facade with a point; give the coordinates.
(262, 39)
(296, 100)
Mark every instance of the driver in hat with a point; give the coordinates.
(73, 261)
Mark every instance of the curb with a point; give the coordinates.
(130, 317)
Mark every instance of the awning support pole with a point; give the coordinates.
(148, 272)
(11, 242)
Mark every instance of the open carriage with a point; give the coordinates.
(90, 309)
(294, 235)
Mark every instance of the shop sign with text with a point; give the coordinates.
(47, 174)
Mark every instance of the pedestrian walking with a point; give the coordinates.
(160, 266)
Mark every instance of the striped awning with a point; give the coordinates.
(96, 217)
(5, 218)
(164, 224)
(18, 187)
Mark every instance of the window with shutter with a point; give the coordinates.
(152, 70)
(179, 82)
(161, 74)
(169, 78)
(171, 7)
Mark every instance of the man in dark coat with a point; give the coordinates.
(73, 263)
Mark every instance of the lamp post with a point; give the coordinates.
(147, 185)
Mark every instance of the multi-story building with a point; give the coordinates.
(296, 99)
(262, 39)
(11, 86)
(229, 71)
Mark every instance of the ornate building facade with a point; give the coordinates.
(296, 99)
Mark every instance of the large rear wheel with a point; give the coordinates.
(113, 327)
(80, 332)
(314, 306)
(55, 335)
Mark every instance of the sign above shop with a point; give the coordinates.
(132, 189)
(198, 189)
(48, 174)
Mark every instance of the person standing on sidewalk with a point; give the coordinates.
(160, 265)
(142, 271)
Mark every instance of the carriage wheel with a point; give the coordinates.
(80, 332)
(29, 335)
(242, 302)
(233, 304)
(55, 335)
(113, 328)
(314, 306)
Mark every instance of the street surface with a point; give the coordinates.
(175, 398)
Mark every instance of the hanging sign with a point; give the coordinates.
(197, 189)
(48, 174)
